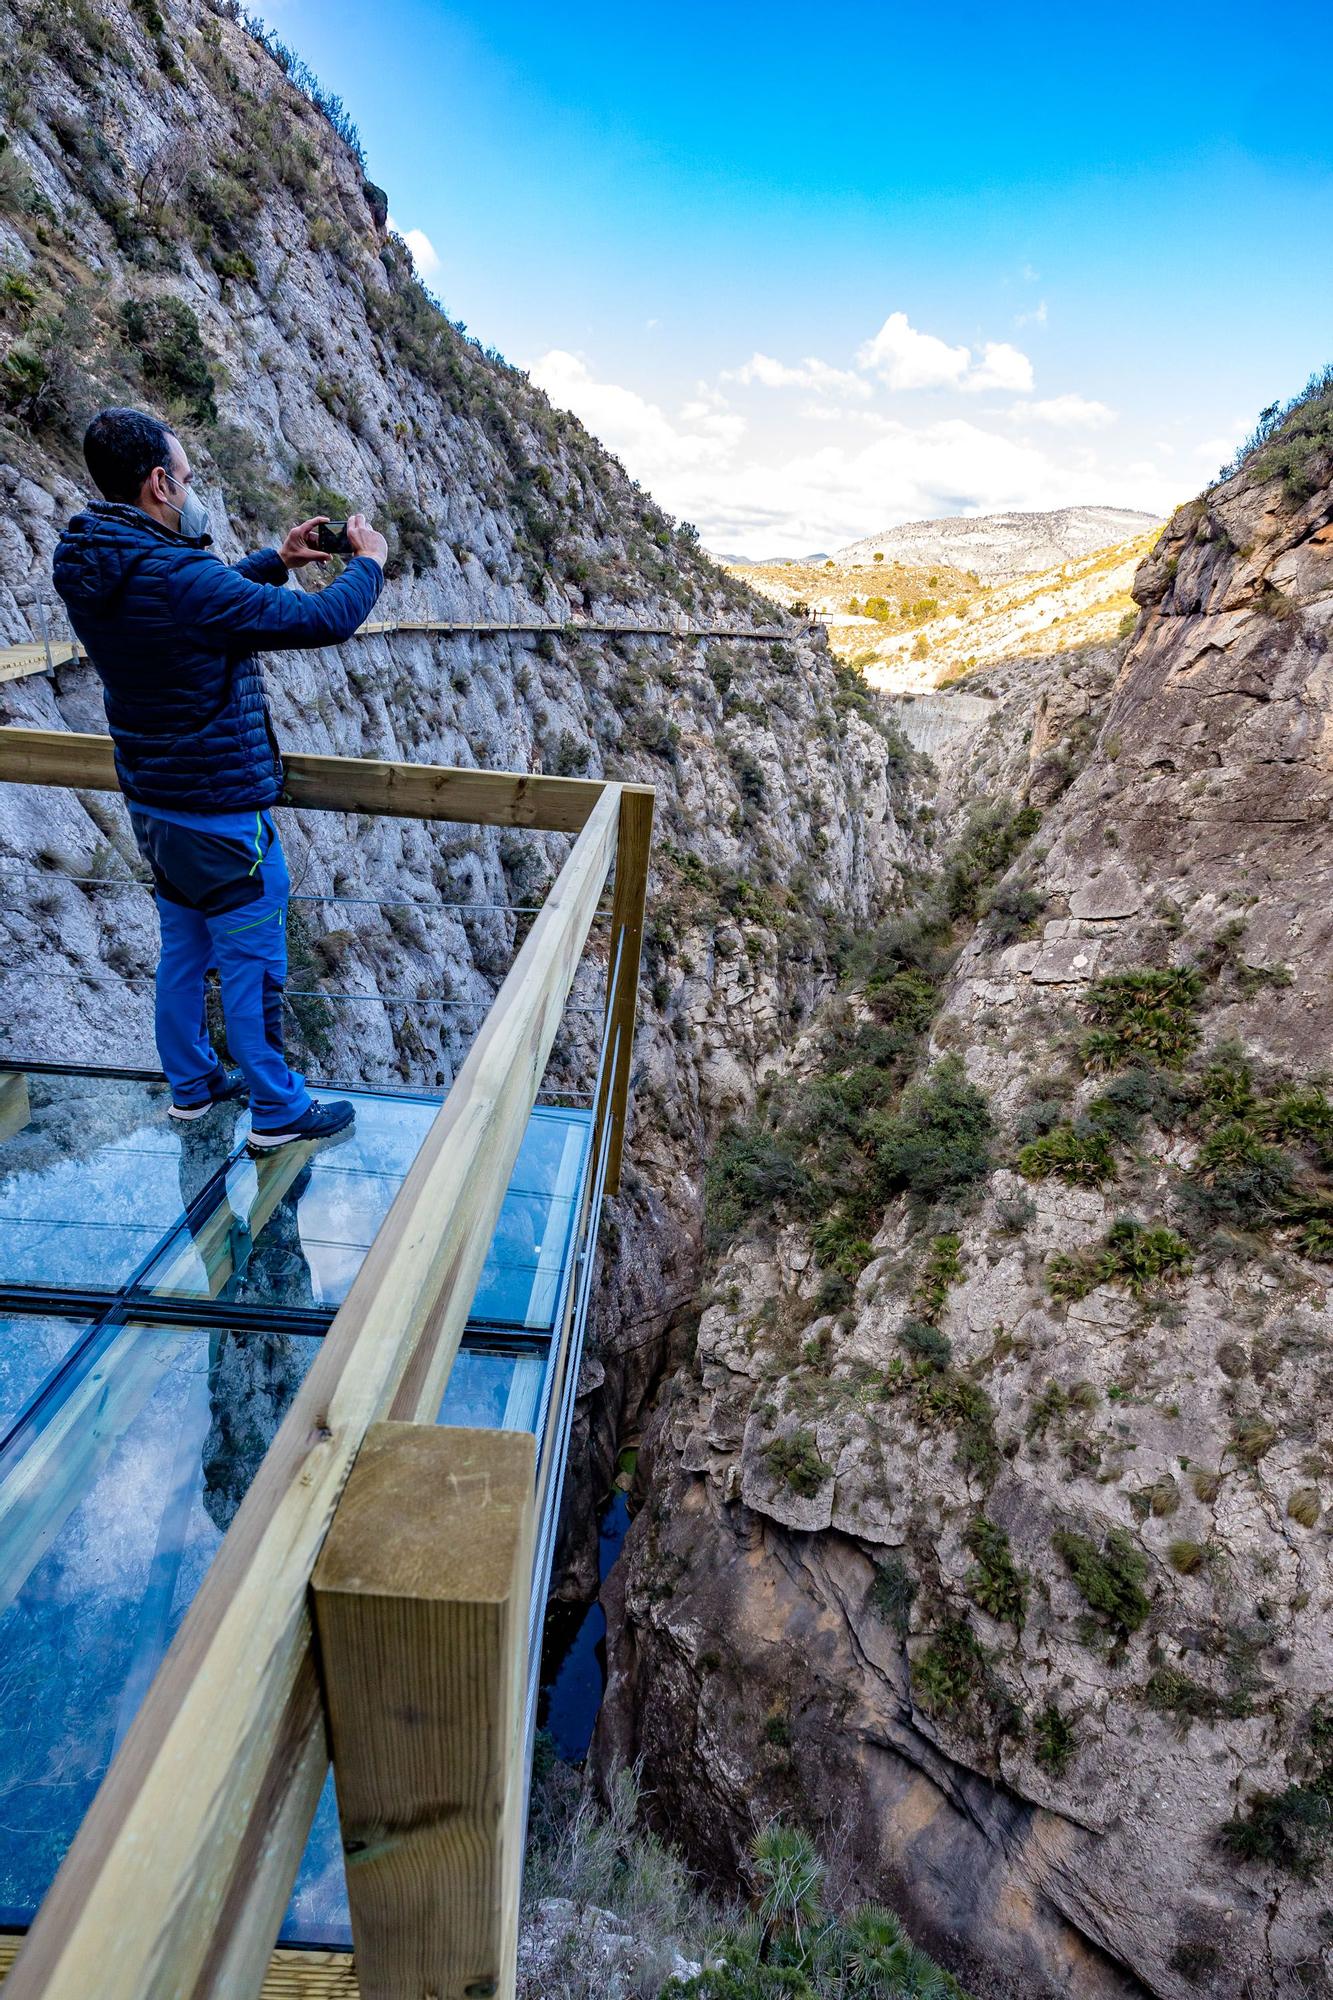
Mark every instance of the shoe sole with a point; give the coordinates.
(271, 1144)
(184, 1114)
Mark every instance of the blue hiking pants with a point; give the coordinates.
(222, 889)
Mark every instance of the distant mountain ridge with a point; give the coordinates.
(996, 547)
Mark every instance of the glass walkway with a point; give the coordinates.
(162, 1296)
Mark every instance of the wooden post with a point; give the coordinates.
(634, 839)
(421, 1610)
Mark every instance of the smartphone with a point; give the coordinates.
(331, 538)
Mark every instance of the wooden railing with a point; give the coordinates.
(178, 1878)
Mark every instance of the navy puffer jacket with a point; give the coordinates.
(173, 631)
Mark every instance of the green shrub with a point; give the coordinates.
(1012, 912)
(1056, 1403)
(1172, 1692)
(1109, 1579)
(1128, 1099)
(1144, 1015)
(942, 1270)
(990, 840)
(924, 1342)
(995, 1582)
(1133, 1255)
(937, 1144)
(950, 1672)
(944, 1397)
(1080, 1153)
(796, 1460)
(1236, 1179)
(750, 1173)
(1305, 1117)
(892, 1592)
(1054, 1740)
(165, 336)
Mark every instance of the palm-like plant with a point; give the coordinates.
(879, 1954)
(791, 1876)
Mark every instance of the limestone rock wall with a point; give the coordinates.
(1052, 1676)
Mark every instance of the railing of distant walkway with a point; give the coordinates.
(407, 1548)
(48, 653)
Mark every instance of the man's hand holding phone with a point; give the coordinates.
(314, 541)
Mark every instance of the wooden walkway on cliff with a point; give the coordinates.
(371, 1599)
(16, 662)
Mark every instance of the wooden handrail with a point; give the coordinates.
(338, 784)
(197, 1830)
(422, 791)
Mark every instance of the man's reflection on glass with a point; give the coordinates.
(254, 1257)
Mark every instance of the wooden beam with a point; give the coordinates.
(293, 1974)
(176, 1880)
(338, 784)
(432, 791)
(15, 1109)
(631, 891)
(421, 1601)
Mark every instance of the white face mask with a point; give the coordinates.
(191, 515)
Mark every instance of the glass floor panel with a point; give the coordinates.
(127, 1445)
(93, 1173)
(114, 1497)
(292, 1229)
(31, 1348)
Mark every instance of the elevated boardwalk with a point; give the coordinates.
(16, 662)
(379, 1579)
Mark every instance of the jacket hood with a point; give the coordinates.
(101, 548)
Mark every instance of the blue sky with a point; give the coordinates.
(812, 271)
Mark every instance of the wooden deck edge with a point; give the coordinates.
(293, 1973)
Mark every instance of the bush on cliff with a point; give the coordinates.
(788, 1942)
(938, 1143)
(1293, 442)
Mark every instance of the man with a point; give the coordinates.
(173, 631)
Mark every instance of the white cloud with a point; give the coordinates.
(424, 254)
(1000, 367)
(654, 448)
(905, 358)
(1037, 317)
(811, 373)
(763, 491)
(1068, 412)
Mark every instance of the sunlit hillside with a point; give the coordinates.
(912, 628)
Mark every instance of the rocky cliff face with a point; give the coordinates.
(996, 1543)
(180, 225)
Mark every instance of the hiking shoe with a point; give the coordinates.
(317, 1121)
(228, 1086)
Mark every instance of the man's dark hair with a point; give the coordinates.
(121, 448)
